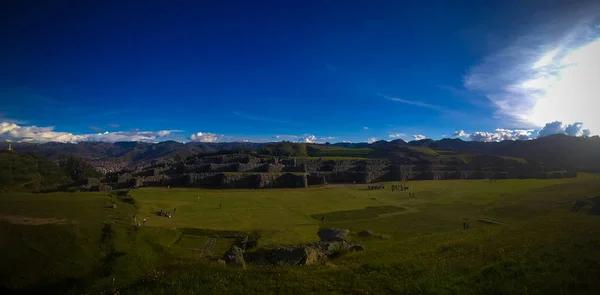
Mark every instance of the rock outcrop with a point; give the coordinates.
(234, 257)
(333, 234)
(334, 242)
(287, 256)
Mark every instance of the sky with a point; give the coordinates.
(306, 71)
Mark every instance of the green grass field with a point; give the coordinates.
(524, 238)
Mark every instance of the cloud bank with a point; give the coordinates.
(419, 137)
(12, 131)
(396, 135)
(460, 133)
(206, 137)
(500, 135)
(556, 127)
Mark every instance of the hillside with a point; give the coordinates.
(28, 172)
(557, 152)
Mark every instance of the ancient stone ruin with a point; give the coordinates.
(333, 242)
(231, 171)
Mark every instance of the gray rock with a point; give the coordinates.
(333, 234)
(294, 256)
(385, 237)
(234, 257)
(221, 262)
(356, 247)
(366, 233)
(331, 248)
(287, 256)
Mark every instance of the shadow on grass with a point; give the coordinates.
(366, 213)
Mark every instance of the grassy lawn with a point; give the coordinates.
(524, 238)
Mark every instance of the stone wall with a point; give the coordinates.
(235, 171)
(315, 179)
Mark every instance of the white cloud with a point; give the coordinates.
(205, 137)
(414, 102)
(35, 134)
(306, 138)
(500, 135)
(365, 128)
(150, 136)
(346, 141)
(16, 132)
(396, 135)
(419, 137)
(557, 127)
(549, 73)
(372, 140)
(460, 133)
(309, 139)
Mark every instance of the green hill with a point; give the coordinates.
(28, 172)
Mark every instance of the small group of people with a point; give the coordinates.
(165, 213)
(137, 222)
(399, 187)
(466, 225)
(376, 187)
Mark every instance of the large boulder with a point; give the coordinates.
(332, 248)
(234, 257)
(258, 257)
(356, 247)
(288, 256)
(294, 256)
(333, 234)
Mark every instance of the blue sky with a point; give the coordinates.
(310, 71)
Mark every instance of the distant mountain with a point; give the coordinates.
(127, 151)
(557, 152)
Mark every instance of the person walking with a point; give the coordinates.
(174, 210)
(145, 220)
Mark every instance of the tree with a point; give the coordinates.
(301, 150)
(177, 158)
(77, 169)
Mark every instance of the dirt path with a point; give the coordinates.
(26, 220)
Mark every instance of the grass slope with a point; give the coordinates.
(536, 244)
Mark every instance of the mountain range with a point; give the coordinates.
(556, 152)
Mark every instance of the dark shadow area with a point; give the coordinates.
(368, 212)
